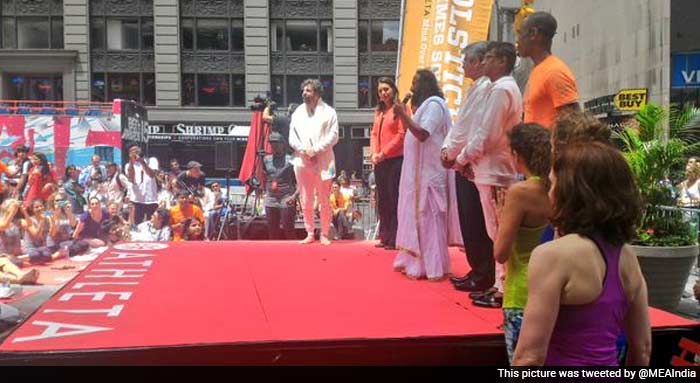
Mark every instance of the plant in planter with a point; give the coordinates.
(667, 240)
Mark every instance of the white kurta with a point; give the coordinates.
(427, 213)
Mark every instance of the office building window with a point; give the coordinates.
(301, 35)
(139, 87)
(213, 89)
(378, 35)
(116, 34)
(32, 32)
(213, 64)
(40, 87)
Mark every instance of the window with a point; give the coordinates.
(139, 87)
(116, 34)
(378, 35)
(29, 32)
(367, 90)
(213, 89)
(301, 36)
(43, 87)
(212, 34)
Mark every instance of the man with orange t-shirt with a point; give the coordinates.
(183, 211)
(551, 88)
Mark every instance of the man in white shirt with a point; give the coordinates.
(93, 175)
(117, 184)
(488, 150)
(313, 133)
(143, 192)
(478, 245)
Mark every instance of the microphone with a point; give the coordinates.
(407, 98)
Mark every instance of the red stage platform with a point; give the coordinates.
(261, 303)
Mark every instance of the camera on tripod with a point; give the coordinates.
(261, 102)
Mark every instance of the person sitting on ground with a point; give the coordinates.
(13, 274)
(63, 224)
(689, 195)
(193, 230)
(341, 207)
(586, 287)
(523, 212)
(183, 211)
(116, 230)
(11, 230)
(157, 229)
(37, 228)
(92, 224)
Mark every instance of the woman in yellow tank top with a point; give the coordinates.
(522, 218)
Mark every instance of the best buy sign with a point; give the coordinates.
(631, 100)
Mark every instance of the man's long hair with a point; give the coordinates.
(425, 85)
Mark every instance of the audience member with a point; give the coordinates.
(22, 165)
(193, 230)
(183, 211)
(689, 195)
(93, 174)
(117, 184)
(157, 229)
(523, 216)
(37, 227)
(341, 207)
(92, 223)
(193, 179)
(426, 202)
(40, 185)
(142, 177)
(73, 189)
(586, 287)
(11, 229)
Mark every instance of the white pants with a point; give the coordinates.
(311, 186)
(487, 196)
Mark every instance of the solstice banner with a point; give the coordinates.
(434, 32)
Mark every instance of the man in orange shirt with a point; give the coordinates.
(183, 211)
(551, 88)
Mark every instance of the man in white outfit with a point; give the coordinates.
(313, 132)
(488, 150)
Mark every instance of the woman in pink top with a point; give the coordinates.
(586, 288)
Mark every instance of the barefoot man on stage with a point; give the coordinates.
(313, 133)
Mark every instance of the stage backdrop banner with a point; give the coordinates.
(433, 36)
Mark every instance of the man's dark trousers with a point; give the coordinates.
(477, 243)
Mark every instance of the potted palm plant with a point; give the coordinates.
(667, 237)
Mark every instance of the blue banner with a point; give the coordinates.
(686, 70)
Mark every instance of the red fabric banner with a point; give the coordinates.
(251, 166)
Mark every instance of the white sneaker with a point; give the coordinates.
(325, 241)
(307, 240)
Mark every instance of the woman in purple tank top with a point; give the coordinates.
(586, 288)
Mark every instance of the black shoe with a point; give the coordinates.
(482, 294)
(490, 301)
(473, 285)
(457, 280)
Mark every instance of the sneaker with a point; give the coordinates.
(325, 241)
(307, 240)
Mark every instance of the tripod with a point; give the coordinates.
(229, 213)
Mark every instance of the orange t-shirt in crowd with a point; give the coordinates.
(177, 215)
(551, 86)
(3, 170)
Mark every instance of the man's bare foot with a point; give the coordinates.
(29, 278)
(307, 240)
(325, 241)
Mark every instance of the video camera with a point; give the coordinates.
(261, 102)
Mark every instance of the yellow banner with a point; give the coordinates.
(434, 33)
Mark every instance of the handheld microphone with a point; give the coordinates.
(407, 98)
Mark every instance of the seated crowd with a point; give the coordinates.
(44, 218)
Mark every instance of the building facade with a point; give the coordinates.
(200, 63)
